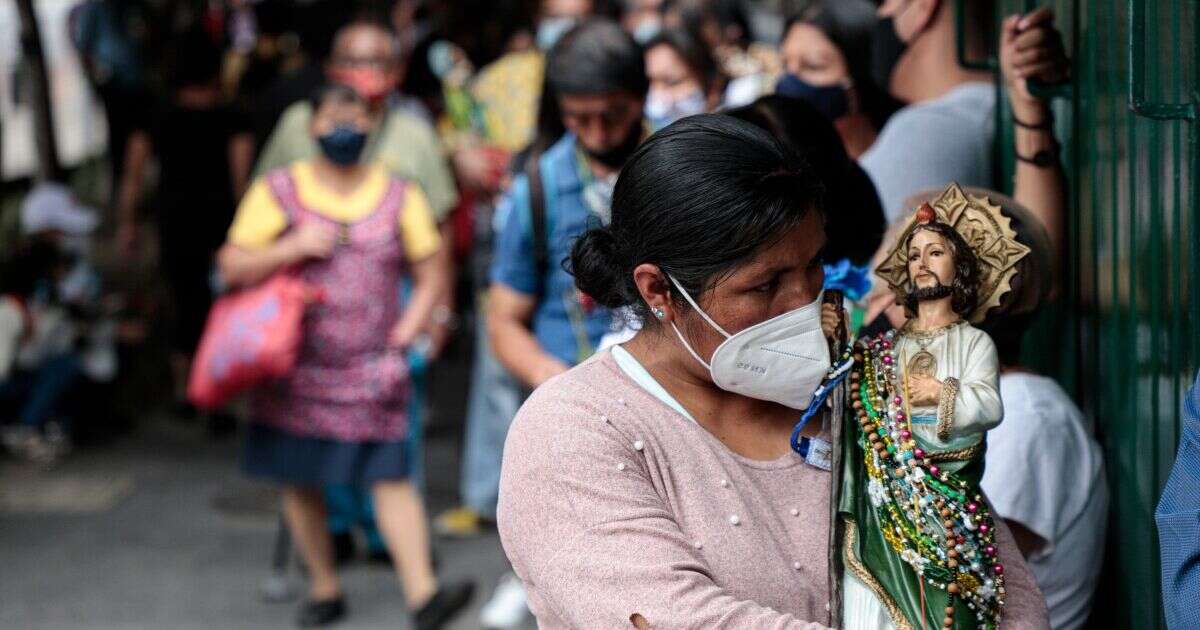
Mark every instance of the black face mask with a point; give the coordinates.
(616, 156)
(343, 145)
(886, 50)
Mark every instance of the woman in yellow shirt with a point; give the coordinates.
(340, 418)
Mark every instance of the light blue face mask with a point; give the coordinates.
(551, 29)
(660, 111)
(646, 30)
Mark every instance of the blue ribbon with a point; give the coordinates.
(819, 397)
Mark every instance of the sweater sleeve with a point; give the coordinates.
(589, 535)
(1024, 604)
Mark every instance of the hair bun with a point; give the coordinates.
(596, 266)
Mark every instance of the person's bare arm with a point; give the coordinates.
(430, 277)
(509, 314)
(138, 150)
(1031, 48)
(241, 267)
(241, 160)
(441, 322)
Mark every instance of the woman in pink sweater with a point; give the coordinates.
(654, 485)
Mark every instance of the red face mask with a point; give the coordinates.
(372, 85)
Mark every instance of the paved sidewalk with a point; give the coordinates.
(161, 531)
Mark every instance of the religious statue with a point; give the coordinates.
(918, 545)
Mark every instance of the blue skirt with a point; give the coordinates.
(280, 456)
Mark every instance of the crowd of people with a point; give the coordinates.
(611, 190)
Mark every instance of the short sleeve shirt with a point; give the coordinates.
(260, 219)
(404, 144)
(1044, 469)
(932, 144)
(564, 326)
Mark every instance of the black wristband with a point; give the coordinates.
(1045, 125)
(1041, 159)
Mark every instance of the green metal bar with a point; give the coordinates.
(1137, 64)
(1114, 333)
(1177, 292)
(1154, 280)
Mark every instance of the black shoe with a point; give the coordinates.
(343, 548)
(321, 613)
(448, 601)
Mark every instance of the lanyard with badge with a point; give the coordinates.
(817, 451)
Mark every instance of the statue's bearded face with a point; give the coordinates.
(930, 265)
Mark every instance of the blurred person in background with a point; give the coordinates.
(826, 57)
(914, 57)
(684, 79)
(314, 26)
(520, 117)
(538, 323)
(204, 152)
(369, 58)
(642, 18)
(855, 231)
(38, 365)
(55, 328)
(1045, 441)
(723, 27)
(353, 230)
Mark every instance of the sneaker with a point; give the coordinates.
(460, 522)
(507, 607)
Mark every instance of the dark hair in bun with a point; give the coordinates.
(697, 199)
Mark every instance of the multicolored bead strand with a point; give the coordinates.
(924, 512)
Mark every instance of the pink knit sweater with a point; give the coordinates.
(612, 504)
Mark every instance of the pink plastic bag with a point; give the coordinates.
(251, 336)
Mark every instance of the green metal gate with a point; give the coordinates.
(1127, 340)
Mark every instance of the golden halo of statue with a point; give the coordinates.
(984, 228)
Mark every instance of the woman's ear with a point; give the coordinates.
(655, 290)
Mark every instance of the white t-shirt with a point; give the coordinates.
(931, 144)
(1045, 470)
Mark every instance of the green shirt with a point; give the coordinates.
(404, 144)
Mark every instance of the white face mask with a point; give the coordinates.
(661, 110)
(783, 359)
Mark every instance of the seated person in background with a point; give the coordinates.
(52, 328)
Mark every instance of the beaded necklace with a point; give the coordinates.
(924, 512)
